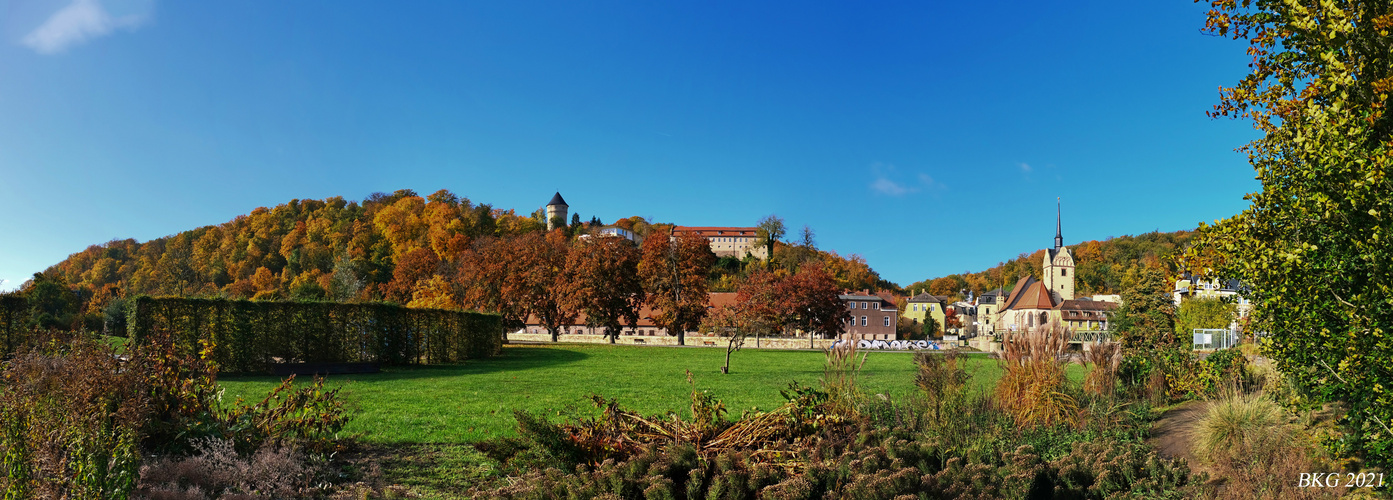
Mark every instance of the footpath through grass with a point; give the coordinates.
(475, 400)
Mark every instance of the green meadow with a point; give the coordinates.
(475, 400)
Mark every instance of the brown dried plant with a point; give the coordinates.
(1105, 357)
(1032, 389)
(839, 377)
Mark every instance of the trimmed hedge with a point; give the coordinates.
(14, 322)
(248, 336)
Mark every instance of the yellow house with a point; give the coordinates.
(923, 306)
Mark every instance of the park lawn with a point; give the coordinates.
(474, 400)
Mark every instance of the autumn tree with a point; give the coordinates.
(485, 277)
(601, 281)
(416, 265)
(673, 271)
(810, 301)
(947, 286)
(757, 311)
(537, 264)
(1314, 243)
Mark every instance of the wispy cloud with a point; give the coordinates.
(892, 188)
(80, 21)
(1025, 167)
(884, 184)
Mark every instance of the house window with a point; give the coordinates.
(864, 321)
(1063, 272)
(865, 305)
(887, 321)
(877, 306)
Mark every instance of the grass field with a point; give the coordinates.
(474, 400)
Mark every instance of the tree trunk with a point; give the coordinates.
(726, 369)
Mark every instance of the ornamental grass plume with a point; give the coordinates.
(839, 376)
(1032, 389)
(1105, 357)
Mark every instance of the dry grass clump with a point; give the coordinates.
(943, 383)
(839, 376)
(1032, 387)
(1105, 357)
(1247, 439)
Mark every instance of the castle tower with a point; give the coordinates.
(1059, 263)
(556, 211)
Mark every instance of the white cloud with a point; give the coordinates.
(883, 183)
(1025, 167)
(887, 186)
(78, 22)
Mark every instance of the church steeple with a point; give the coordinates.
(1058, 228)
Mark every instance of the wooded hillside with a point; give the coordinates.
(438, 251)
(1099, 265)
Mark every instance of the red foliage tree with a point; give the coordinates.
(811, 303)
(536, 266)
(601, 281)
(673, 272)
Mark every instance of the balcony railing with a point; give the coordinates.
(1080, 336)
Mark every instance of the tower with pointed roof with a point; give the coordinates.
(556, 211)
(1059, 263)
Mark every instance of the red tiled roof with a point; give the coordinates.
(717, 230)
(1029, 294)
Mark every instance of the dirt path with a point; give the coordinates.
(1171, 434)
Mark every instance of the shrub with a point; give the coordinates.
(218, 471)
(1247, 439)
(308, 417)
(71, 419)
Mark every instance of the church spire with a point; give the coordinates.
(1058, 227)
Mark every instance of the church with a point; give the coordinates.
(1033, 302)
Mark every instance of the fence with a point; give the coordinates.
(1213, 338)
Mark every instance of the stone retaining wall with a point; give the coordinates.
(692, 340)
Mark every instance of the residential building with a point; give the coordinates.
(966, 314)
(872, 317)
(988, 308)
(922, 306)
(613, 230)
(1086, 314)
(729, 241)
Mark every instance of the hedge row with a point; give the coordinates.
(14, 322)
(248, 336)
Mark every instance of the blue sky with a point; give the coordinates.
(928, 137)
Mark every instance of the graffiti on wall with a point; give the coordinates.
(902, 345)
